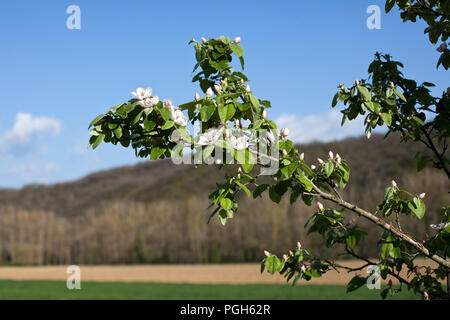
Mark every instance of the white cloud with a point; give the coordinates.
(320, 127)
(22, 138)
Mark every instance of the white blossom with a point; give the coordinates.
(149, 102)
(209, 137)
(264, 114)
(142, 93)
(440, 226)
(237, 39)
(320, 205)
(178, 117)
(239, 143)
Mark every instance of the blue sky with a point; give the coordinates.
(54, 81)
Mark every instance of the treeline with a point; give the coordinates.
(162, 219)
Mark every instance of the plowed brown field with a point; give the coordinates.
(206, 273)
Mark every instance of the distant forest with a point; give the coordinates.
(157, 212)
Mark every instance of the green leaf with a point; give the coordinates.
(365, 93)
(169, 124)
(351, 241)
(156, 153)
(245, 158)
(421, 163)
(306, 183)
(259, 190)
(118, 132)
(356, 283)
(208, 150)
(387, 118)
(226, 203)
(329, 167)
(97, 119)
(226, 112)
(98, 140)
(335, 99)
(417, 206)
(237, 49)
(254, 101)
(274, 196)
(289, 170)
(400, 95)
(243, 187)
(138, 117)
(206, 112)
(149, 125)
(389, 5)
(272, 264)
(165, 113)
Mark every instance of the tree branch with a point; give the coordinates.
(383, 224)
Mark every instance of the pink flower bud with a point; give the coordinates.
(203, 40)
(218, 88)
(425, 295)
(239, 170)
(285, 257)
(197, 96)
(267, 253)
(284, 152)
(299, 245)
(237, 39)
(338, 159)
(320, 160)
(422, 195)
(264, 114)
(391, 84)
(247, 88)
(357, 82)
(394, 184)
(320, 205)
(302, 156)
(330, 155)
(209, 92)
(368, 120)
(284, 132)
(313, 167)
(291, 253)
(242, 81)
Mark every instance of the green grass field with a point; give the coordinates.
(118, 290)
